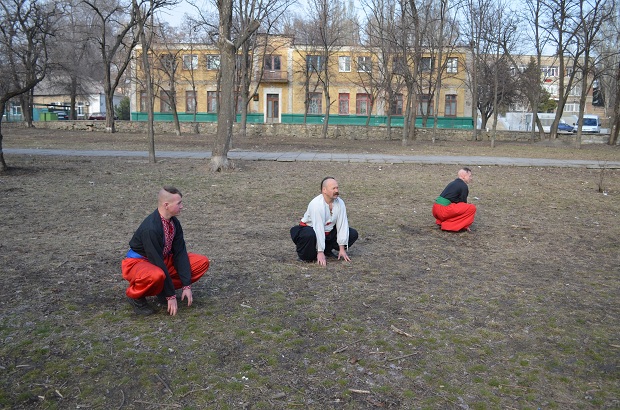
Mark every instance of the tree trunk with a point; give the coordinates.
(495, 96)
(219, 158)
(474, 90)
(175, 113)
(615, 126)
(225, 112)
(109, 106)
(149, 88)
(3, 166)
(326, 118)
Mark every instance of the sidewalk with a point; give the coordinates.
(333, 157)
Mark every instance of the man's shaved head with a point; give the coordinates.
(166, 193)
(465, 175)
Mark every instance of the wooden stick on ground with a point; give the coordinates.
(400, 332)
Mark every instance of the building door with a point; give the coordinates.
(273, 108)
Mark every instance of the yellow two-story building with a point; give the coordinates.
(289, 82)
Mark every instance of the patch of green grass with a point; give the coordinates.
(478, 368)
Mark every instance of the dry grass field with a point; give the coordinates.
(523, 313)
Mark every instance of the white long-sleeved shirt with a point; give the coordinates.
(322, 220)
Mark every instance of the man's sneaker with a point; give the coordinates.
(141, 306)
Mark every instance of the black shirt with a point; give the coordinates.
(456, 191)
(148, 241)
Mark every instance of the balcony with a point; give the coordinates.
(273, 76)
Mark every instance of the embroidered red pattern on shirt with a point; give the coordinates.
(168, 235)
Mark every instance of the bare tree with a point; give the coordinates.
(167, 62)
(228, 46)
(413, 25)
(533, 15)
(562, 27)
(74, 62)
(146, 36)
(268, 12)
(503, 32)
(592, 15)
(382, 39)
(115, 21)
(497, 88)
(329, 35)
(615, 125)
(25, 28)
(609, 73)
(443, 38)
(475, 14)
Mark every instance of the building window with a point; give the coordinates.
(190, 62)
(426, 64)
(550, 71)
(314, 63)
(397, 105)
(273, 63)
(551, 89)
(164, 101)
(315, 103)
(452, 65)
(364, 64)
(425, 105)
(272, 68)
(80, 110)
(343, 104)
(344, 64)
(143, 101)
(450, 110)
(571, 107)
(362, 104)
(190, 101)
(212, 61)
(211, 101)
(575, 91)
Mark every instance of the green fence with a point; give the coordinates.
(374, 120)
(48, 116)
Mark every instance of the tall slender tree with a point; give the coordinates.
(593, 15)
(228, 45)
(115, 21)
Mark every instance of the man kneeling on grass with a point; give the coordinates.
(157, 262)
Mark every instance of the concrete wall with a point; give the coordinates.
(350, 132)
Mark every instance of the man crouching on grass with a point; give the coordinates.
(157, 262)
(324, 227)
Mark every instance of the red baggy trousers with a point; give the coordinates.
(454, 217)
(146, 279)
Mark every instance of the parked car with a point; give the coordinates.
(62, 115)
(564, 127)
(591, 123)
(97, 116)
